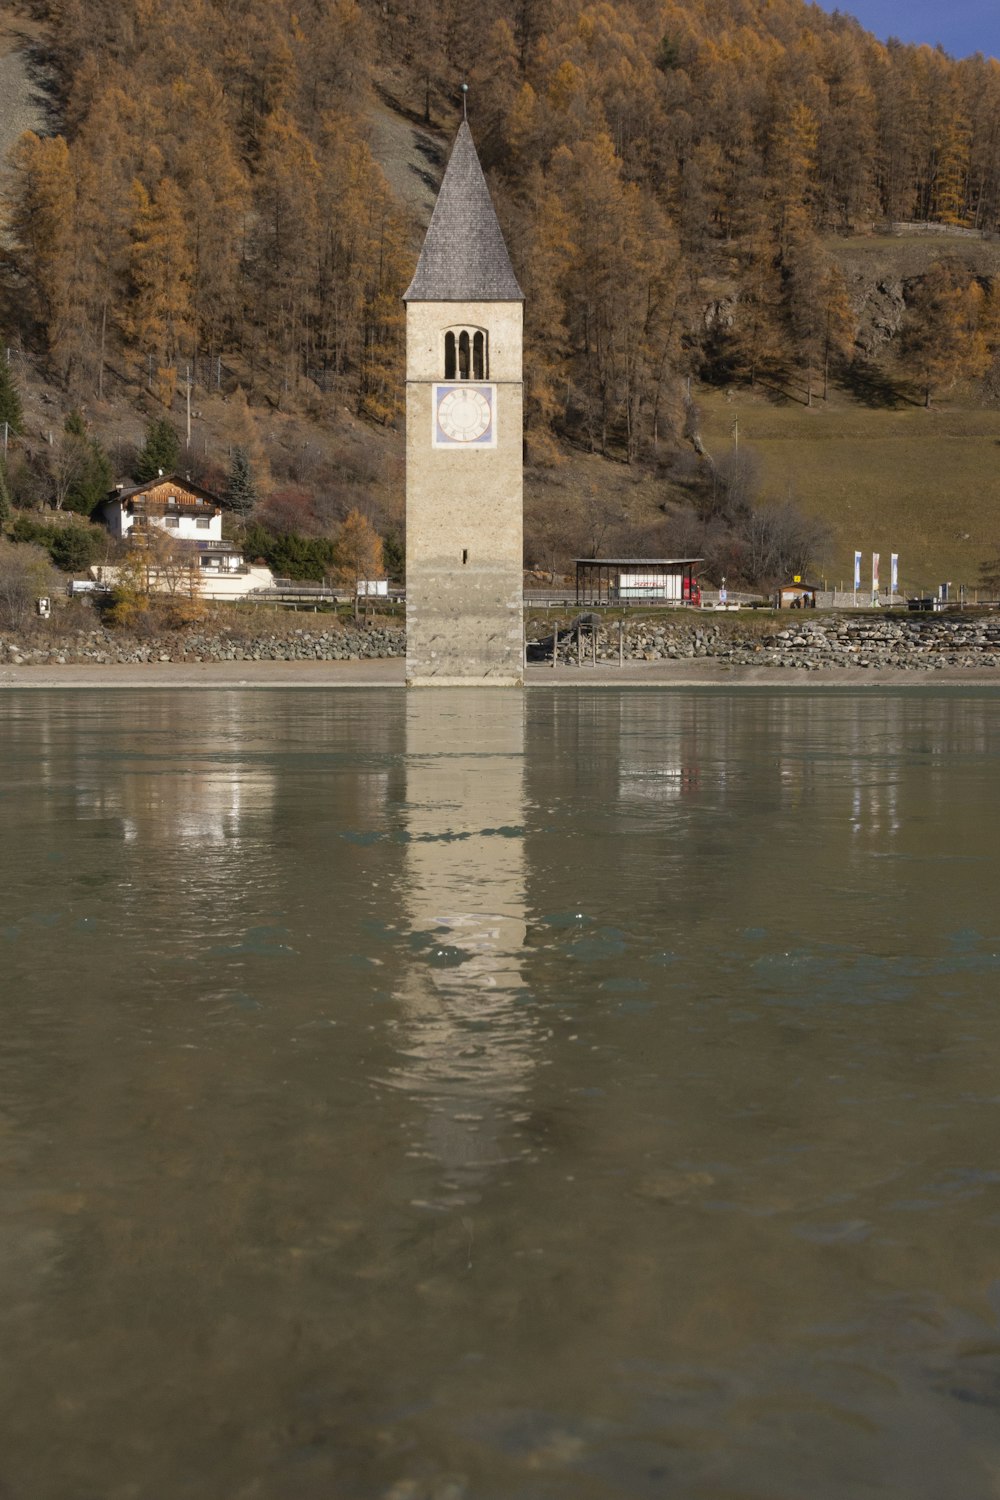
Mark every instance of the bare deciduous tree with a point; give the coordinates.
(25, 576)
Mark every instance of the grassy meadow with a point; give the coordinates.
(925, 484)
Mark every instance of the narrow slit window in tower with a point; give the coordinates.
(449, 356)
(479, 357)
(463, 355)
(465, 556)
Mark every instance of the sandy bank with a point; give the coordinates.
(388, 673)
(377, 672)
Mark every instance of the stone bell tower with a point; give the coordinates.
(464, 550)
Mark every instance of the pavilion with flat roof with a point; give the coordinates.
(635, 580)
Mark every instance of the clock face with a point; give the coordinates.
(464, 416)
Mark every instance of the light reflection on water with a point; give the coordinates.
(467, 1034)
(435, 1095)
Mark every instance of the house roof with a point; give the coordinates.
(131, 492)
(636, 562)
(464, 258)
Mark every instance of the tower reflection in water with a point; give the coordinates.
(466, 1035)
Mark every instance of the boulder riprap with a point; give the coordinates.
(919, 643)
(112, 647)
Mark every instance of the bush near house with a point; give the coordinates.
(303, 558)
(26, 574)
(72, 548)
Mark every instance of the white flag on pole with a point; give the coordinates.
(894, 571)
(857, 571)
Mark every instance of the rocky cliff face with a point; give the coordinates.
(883, 274)
(880, 307)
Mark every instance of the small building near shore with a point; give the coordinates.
(183, 510)
(797, 595)
(223, 575)
(172, 513)
(637, 580)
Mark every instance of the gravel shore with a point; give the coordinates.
(389, 673)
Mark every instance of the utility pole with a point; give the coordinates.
(100, 366)
(188, 368)
(736, 433)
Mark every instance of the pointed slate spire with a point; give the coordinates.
(464, 258)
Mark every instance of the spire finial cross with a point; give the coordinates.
(465, 101)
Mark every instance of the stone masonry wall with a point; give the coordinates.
(918, 643)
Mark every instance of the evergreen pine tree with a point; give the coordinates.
(10, 400)
(79, 469)
(241, 486)
(160, 453)
(98, 479)
(394, 556)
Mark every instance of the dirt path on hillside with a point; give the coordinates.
(22, 103)
(411, 156)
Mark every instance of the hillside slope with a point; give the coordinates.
(925, 484)
(648, 265)
(23, 106)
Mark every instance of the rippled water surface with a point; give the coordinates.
(458, 1096)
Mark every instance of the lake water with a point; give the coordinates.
(453, 1096)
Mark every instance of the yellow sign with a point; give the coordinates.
(797, 578)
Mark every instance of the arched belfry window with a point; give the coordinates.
(466, 354)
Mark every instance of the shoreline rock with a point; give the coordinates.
(918, 643)
(100, 647)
